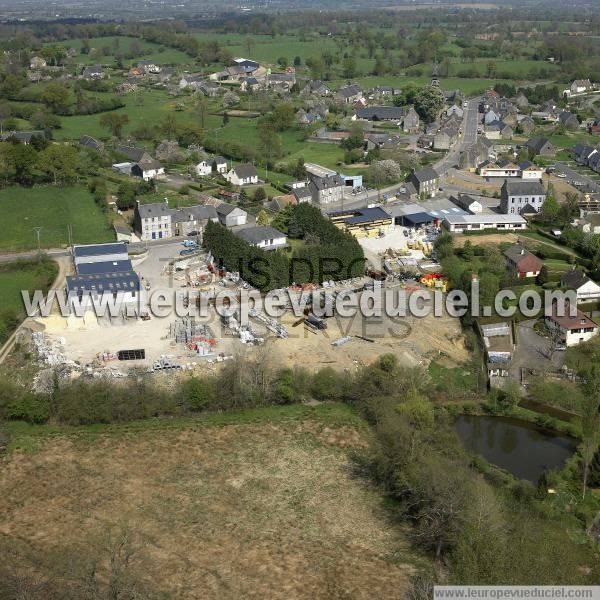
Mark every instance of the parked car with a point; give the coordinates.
(187, 251)
(189, 243)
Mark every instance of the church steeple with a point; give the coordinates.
(435, 81)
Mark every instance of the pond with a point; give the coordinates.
(521, 448)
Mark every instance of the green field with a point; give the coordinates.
(15, 277)
(11, 284)
(52, 209)
(151, 107)
(155, 52)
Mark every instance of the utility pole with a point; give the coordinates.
(37, 233)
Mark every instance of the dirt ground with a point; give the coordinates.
(481, 240)
(415, 341)
(236, 511)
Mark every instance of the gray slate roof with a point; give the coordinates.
(254, 235)
(100, 249)
(522, 188)
(381, 113)
(199, 212)
(574, 279)
(425, 174)
(245, 170)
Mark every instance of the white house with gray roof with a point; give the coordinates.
(263, 236)
(205, 167)
(244, 174)
(159, 221)
(521, 197)
(230, 215)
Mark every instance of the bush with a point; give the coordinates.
(326, 384)
(32, 408)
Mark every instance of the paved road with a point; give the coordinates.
(57, 253)
(579, 180)
(468, 137)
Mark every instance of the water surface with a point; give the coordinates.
(521, 448)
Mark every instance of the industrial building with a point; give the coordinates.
(363, 222)
(103, 269)
(461, 223)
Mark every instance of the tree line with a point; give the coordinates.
(326, 253)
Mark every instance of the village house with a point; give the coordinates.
(264, 237)
(498, 130)
(521, 197)
(192, 220)
(530, 171)
(208, 166)
(580, 86)
(91, 143)
(159, 221)
(569, 120)
(207, 88)
(503, 168)
(153, 221)
(349, 94)
(521, 101)
(316, 87)
(307, 118)
(133, 153)
(455, 110)
(244, 174)
(380, 113)
(442, 140)
(411, 121)
(475, 154)
(278, 203)
(582, 153)
(249, 84)
(522, 262)
(326, 189)
(468, 203)
(281, 81)
(585, 288)
(93, 72)
(24, 137)
(540, 146)
(525, 123)
(148, 169)
(230, 215)
(425, 181)
(571, 329)
(148, 66)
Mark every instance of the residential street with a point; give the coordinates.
(469, 136)
(577, 179)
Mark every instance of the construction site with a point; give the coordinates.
(112, 347)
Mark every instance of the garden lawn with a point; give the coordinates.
(52, 209)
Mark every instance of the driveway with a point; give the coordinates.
(533, 352)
